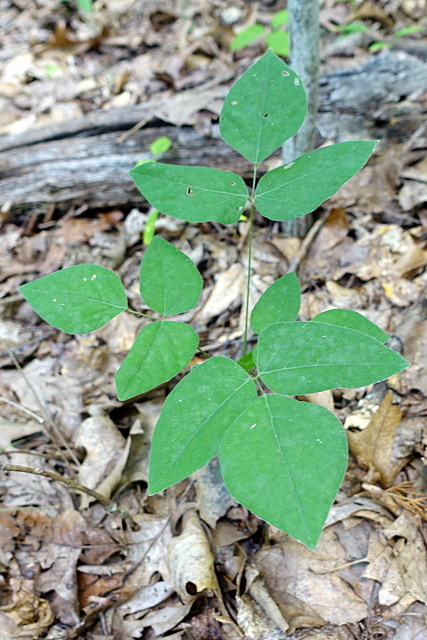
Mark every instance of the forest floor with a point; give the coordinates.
(190, 563)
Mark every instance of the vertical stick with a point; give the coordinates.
(304, 37)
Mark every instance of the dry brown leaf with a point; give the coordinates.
(373, 447)
(303, 586)
(191, 561)
(400, 567)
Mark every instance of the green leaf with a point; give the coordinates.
(160, 145)
(407, 31)
(195, 194)
(305, 357)
(280, 19)
(352, 320)
(377, 46)
(301, 186)
(247, 36)
(78, 299)
(279, 303)
(279, 41)
(265, 107)
(247, 361)
(160, 352)
(285, 460)
(194, 418)
(169, 281)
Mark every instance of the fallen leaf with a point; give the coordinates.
(191, 560)
(298, 580)
(373, 446)
(106, 454)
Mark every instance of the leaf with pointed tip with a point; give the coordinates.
(285, 460)
(160, 352)
(296, 358)
(195, 194)
(77, 299)
(279, 303)
(265, 107)
(170, 282)
(302, 185)
(194, 418)
(352, 320)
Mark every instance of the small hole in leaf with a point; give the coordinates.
(265, 115)
(285, 73)
(234, 102)
(93, 277)
(54, 300)
(84, 279)
(191, 588)
(296, 82)
(254, 75)
(239, 208)
(232, 184)
(190, 192)
(222, 118)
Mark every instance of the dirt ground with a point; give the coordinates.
(190, 563)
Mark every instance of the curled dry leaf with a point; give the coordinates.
(191, 561)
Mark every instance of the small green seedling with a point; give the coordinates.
(276, 37)
(84, 5)
(282, 458)
(400, 33)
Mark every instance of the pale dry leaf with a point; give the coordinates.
(163, 620)
(148, 597)
(59, 396)
(106, 454)
(191, 560)
(226, 291)
(213, 497)
(373, 447)
(406, 575)
(261, 595)
(252, 619)
(147, 549)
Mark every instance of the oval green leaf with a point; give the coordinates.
(284, 460)
(247, 36)
(195, 417)
(195, 194)
(77, 299)
(169, 280)
(160, 352)
(302, 185)
(352, 320)
(279, 303)
(265, 107)
(296, 358)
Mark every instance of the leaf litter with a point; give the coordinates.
(187, 563)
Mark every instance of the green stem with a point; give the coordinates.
(248, 280)
(143, 315)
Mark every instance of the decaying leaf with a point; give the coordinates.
(191, 560)
(373, 447)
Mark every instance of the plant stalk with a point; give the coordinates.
(250, 240)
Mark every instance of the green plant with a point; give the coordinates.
(400, 33)
(84, 5)
(276, 38)
(282, 458)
